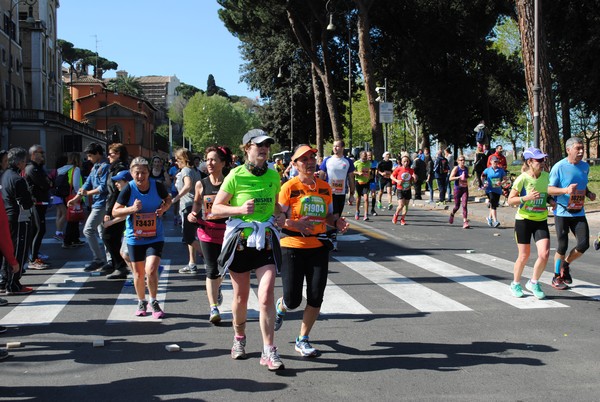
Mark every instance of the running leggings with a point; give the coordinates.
(461, 196)
(298, 263)
(576, 224)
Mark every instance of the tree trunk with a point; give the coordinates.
(565, 110)
(318, 110)
(307, 41)
(365, 55)
(549, 138)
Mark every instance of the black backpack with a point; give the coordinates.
(62, 188)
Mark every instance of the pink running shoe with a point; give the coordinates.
(141, 310)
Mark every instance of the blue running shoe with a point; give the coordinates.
(304, 347)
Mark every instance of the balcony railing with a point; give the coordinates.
(47, 117)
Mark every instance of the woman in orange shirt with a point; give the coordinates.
(307, 203)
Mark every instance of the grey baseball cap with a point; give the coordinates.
(256, 136)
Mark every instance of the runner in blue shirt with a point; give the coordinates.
(493, 189)
(568, 182)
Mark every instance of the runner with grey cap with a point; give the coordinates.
(248, 196)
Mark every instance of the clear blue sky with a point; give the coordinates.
(185, 38)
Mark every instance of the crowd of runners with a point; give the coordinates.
(267, 218)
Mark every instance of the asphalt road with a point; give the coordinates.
(408, 315)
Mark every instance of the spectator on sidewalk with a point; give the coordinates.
(450, 157)
(186, 183)
(18, 204)
(39, 186)
(113, 234)
(478, 167)
(441, 170)
(482, 137)
(430, 173)
(501, 159)
(57, 199)
(7, 253)
(73, 171)
(420, 168)
(95, 185)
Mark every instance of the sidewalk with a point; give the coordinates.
(478, 210)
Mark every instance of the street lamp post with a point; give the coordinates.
(291, 118)
(349, 87)
(12, 35)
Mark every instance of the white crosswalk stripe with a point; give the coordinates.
(43, 306)
(337, 301)
(482, 284)
(126, 304)
(583, 288)
(50, 299)
(225, 309)
(420, 297)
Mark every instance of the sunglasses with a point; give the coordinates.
(540, 160)
(264, 144)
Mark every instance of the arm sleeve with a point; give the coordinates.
(76, 179)
(36, 177)
(323, 165)
(6, 247)
(102, 179)
(124, 195)
(23, 195)
(162, 190)
(351, 167)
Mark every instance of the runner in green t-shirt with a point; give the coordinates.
(362, 175)
(530, 194)
(249, 192)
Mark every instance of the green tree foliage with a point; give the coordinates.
(126, 84)
(66, 100)
(209, 120)
(292, 36)
(80, 59)
(440, 60)
(186, 90)
(163, 130)
(573, 40)
(506, 39)
(213, 89)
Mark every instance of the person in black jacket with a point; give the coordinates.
(440, 170)
(39, 185)
(420, 169)
(430, 173)
(18, 203)
(113, 234)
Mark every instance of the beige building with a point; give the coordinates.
(31, 82)
(160, 90)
